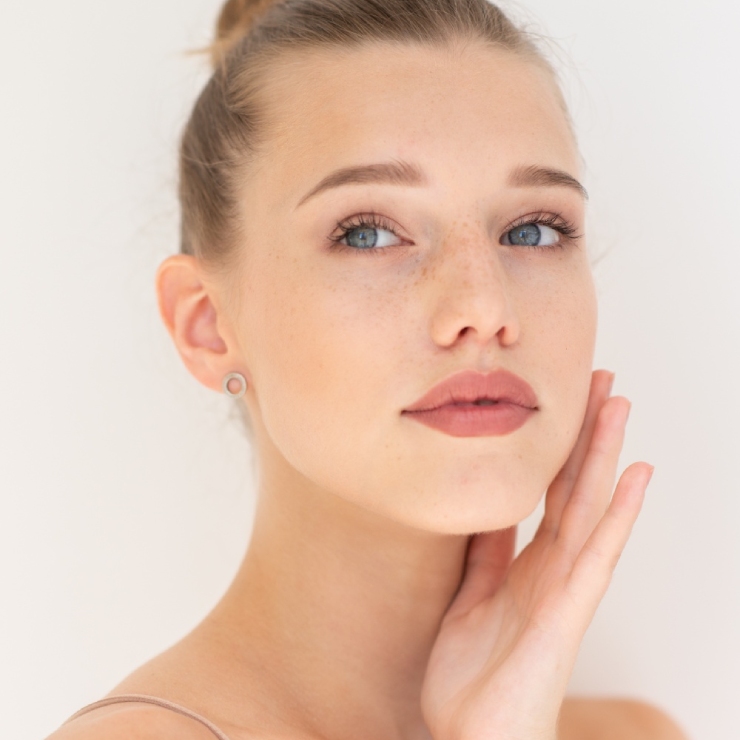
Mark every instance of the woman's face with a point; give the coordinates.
(338, 338)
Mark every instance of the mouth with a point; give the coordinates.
(473, 404)
(471, 387)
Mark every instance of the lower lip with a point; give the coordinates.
(469, 420)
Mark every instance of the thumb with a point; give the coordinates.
(488, 559)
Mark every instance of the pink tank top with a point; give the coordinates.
(150, 700)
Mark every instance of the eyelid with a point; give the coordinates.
(367, 218)
(563, 226)
(551, 219)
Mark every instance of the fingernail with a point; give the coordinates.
(650, 474)
(611, 385)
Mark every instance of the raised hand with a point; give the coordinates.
(507, 644)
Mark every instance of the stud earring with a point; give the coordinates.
(242, 381)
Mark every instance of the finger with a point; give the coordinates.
(488, 559)
(560, 488)
(592, 490)
(593, 569)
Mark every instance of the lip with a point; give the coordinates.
(449, 405)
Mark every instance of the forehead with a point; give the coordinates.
(472, 112)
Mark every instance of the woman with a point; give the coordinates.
(383, 258)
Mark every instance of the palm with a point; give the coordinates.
(506, 647)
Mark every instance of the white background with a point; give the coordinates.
(127, 486)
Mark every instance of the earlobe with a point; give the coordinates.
(190, 317)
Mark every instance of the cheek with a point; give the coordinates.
(335, 354)
(564, 324)
(324, 343)
(555, 301)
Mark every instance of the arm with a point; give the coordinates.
(584, 718)
(653, 722)
(131, 722)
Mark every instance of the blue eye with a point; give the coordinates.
(363, 237)
(365, 233)
(532, 235)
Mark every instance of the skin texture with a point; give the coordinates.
(360, 337)
(355, 583)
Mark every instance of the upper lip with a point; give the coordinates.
(468, 386)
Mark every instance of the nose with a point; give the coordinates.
(472, 294)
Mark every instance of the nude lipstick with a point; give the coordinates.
(474, 404)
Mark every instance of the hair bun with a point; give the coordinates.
(233, 23)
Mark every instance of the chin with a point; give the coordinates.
(471, 504)
(448, 485)
(506, 514)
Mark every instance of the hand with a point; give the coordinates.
(507, 644)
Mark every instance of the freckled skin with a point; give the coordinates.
(337, 344)
(351, 565)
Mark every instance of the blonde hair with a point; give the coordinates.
(224, 132)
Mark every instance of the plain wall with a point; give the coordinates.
(127, 487)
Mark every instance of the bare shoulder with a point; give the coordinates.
(584, 718)
(132, 721)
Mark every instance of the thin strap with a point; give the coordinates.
(150, 700)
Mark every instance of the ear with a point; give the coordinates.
(190, 315)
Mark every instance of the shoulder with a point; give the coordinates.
(615, 719)
(132, 721)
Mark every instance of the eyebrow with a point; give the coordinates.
(545, 177)
(389, 173)
(406, 173)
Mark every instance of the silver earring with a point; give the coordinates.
(242, 380)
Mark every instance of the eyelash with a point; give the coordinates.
(565, 228)
(376, 221)
(372, 219)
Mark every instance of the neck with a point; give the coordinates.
(334, 602)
